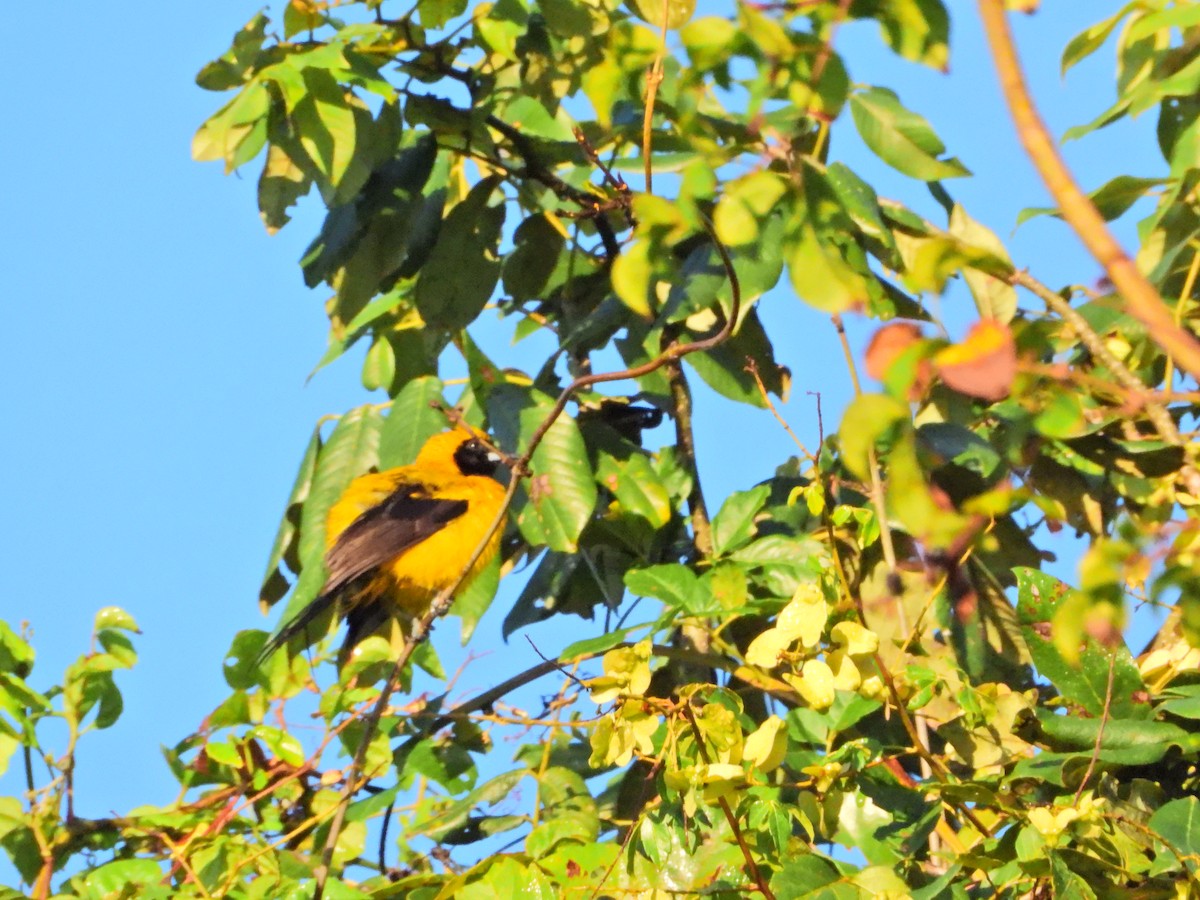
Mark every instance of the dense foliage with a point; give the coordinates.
(862, 652)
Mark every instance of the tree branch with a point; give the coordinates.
(1141, 299)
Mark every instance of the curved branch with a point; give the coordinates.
(1141, 298)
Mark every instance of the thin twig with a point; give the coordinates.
(1104, 713)
(1080, 213)
(877, 495)
(1185, 294)
(654, 78)
(751, 865)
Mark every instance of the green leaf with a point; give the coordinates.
(238, 131)
(1112, 199)
(994, 297)
(733, 526)
(280, 185)
(861, 203)
(1182, 701)
(115, 617)
(673, 583)
(1093, 37)
(462, 270)
(595, 646)
(326, 124)
(821, 275)
(723, 368)
(671, 14)
(916, 29)
(558, 500)
(1126, 741)
(411, 421)
(708, 41)
(900, 137)
(116, 878)
(274, 584)
(867, 419)
(456, 814)
(813, 877)
(16, 655)
(1039, 598)
(436, 13)
(234, 67)
(472, 603)
(636, 487)
(537, 245)
(351, 450)
(241, 660)
(1178, 824)
(1067, 883)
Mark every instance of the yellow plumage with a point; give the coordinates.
(396, 539)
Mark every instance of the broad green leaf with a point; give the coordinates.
(1093, 37)
(862, 824)
(590, 647)
(470, 604)
(558, 499)
(994, 297)
(733, 526)
(1182, 701)
(812, 876)
(115, 617)
(455, 815)
(668, 14)
(1127, 741)
(1112, 199)
(326, 124)
(238, 131)
(411, 421)
(861, 203)
(746, 203)
(867, 419)
(916, 29)
(1039, 599)
(708, 40)
(538, 243)
(352, 449)
(724, 367)
(631, 277)
(280, 185)
(1067, 883)
(436, 13)
(820, 274)
(274, 584)
(1178, 823)
(119, 877)
(674, 584)
(234, 66)
(532, 117)
(16, 655)
(462, 270)
(636, 487)
(900, 137)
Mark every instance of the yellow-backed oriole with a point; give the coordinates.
(395, 539)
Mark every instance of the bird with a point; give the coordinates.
(396, 539)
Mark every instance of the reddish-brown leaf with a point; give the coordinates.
(983, 364)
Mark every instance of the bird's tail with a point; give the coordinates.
(297, 626)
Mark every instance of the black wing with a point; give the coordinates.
(407, 517)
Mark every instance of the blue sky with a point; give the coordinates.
(155, 391)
